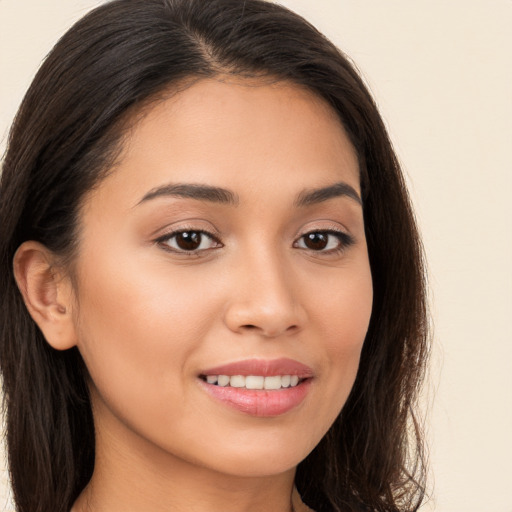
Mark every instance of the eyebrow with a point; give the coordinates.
(193, 191)
(225, 196)
(319, 195)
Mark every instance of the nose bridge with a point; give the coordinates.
(269, 279)
(265, 299)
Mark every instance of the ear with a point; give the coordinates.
(47, 293)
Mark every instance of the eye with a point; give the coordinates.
(189, 241)
(324, 241)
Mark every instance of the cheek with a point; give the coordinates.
(343, 308)
(138, 324)
(342, 318)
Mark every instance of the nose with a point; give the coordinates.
(265, 299)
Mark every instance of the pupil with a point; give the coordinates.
(188, 240)
(316, 241)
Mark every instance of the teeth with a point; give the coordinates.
(237, 381)
(253, 382)
(222, 380)
(273, 382)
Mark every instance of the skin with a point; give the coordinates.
(148, 319)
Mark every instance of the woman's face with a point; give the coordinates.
(226, 249)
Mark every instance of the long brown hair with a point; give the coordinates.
(62, 143)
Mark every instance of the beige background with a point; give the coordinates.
(441, 71)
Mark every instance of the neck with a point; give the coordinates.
(144, 478)
(184, 494)
(233, 495)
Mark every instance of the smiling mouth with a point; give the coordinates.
(258, 387)
(254, 382)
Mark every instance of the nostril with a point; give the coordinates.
(269, 332)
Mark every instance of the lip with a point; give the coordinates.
(264, 367)
(260, 403)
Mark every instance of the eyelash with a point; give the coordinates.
(194, 252)
(344, 241)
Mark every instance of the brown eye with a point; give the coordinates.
(316, 241)
(189, 241)
(324, 241)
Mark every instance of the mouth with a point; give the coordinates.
(263, 388)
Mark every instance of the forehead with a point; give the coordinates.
(236, 132)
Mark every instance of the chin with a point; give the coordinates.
(261, 459)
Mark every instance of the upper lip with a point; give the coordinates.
(263, 367)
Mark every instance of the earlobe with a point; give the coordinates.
(47, 294)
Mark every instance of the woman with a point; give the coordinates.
(212, 283)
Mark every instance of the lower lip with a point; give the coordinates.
(260, 403)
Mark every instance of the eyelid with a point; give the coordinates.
(325, 226)
(185, 224)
